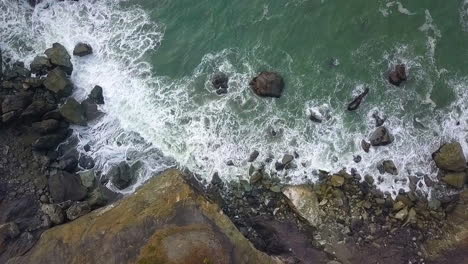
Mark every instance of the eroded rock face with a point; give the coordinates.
(268, 84)
(166, 221)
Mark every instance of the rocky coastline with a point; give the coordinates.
(45, 182)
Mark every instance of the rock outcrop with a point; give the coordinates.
(450, 157)
(354, 105)
(59, 57)
(381, 137)
(268, 84)
(82, 49)
(398, 75)
(166, 221)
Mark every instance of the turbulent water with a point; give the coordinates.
(154, 60)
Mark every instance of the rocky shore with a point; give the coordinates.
(46, 181)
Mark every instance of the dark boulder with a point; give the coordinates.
(69, 160)
(59, 57)
(54, 114)
(381, 137)
(46, 126)
(16, 72)
(36, 110)
(49, 142)
(86, 162)
(40, 65)
(78, 209)
(15, 102)
(389, 167)
(357, 101)
(398, 75)
(91, 110)
(32, 83)
(268, 84)
(54, 212)
(58, 82)
(365, 146)
(253, 156)
(450, 157)
(220, 82)
(120, 175)
(96, 95)
(378, 120)
(73, 112)
(82, 49)
(65, 186)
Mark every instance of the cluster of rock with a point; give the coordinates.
(266, 84)
(39, 183)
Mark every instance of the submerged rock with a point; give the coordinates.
(166, 221)
(220, 80)
(82, 49)
(120, 175)
(381, 137)
(268, 84)
(398, 75)
(450, 157)
(354, 105)
(58, 82)
(59, 57)
(303, 200)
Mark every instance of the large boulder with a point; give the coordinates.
(58, 82)
(268, 84)
(49, 142)
(166, 221)
(354, 105)
(455, 179)
(381, 137)
(220, 82)
(91, 110)
(73, 112)
(54, 212)
(303, 200)
(16, 72)
(46, 126)
(58, 56)
(64, 186)
(82, 49)
(450, 157)
(120, 175)
(40, 65)
(398, 75)
(36, 110)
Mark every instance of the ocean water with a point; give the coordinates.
(155, 59)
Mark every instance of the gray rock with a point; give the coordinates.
(304, 201)
(91, 110)
(77, 210)
(48, 142)
(82, 49)
(268, 84)
(256, 177)
(88, 178)
(220, 81)
(59, 56)
(381, 137)
(450, 157)
(86, 162)
(389, 167)
(96, 95)
(36, 110)
(46, 126)
(54, 212)
(73, 112)
(120, 175)
(15, 103)
(287, 158)
(354, 105)
(365, 146)
(8, 231)
(54, 114)
(40, 65)
(58, 82)
(398, 75)
(65, 186)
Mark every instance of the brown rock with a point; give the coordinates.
(268, 84)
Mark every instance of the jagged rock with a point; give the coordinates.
(287, 158)
(82, 49)
(120, 175)
(381, 137)
(303, 200)
(220, 81)
(58, 82)
(54, 212)
(354, 105)
(33, 83)
(365, 146)
(46, 126)
(455, 179)
(65, 186)
(389, 167)
(96, 95)
(398, 75)
(59, 56)
(268, 84)
(40, 65)
(73, 112)
(36, 110)
(54, 114)
(378, 120)
(16, 72)
(15, 102)
(253, 156)
(69, 160)
(450, 157)
(402, 214)
(357, 158)
(91, 110)
(166, 221)
(77, 210)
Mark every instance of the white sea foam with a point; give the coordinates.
(148, 116)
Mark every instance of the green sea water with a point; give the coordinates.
(155, 60)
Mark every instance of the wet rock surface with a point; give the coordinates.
(398, 75)
(268, 84)
(82, 49)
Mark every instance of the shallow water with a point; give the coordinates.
(155, 58)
